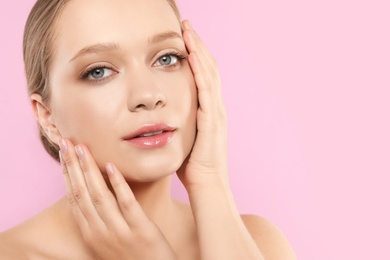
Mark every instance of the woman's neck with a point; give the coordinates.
(58, 225)
(155, 199)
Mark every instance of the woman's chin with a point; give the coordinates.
(149, 172)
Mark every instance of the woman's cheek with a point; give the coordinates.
(82, 117)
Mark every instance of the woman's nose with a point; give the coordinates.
(145, 94)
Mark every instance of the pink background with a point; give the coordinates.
(307, 90)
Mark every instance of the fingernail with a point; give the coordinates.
(63, 146)
(189, 26)
(80, 152)
(60, 156)
(110, 169)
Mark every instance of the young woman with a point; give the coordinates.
(126, 95)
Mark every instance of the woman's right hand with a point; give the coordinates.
(113, 226)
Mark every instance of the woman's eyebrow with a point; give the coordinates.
(164, 36)
(101, 47)
(95, 48)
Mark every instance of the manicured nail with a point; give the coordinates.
(63, 146)
(80, 152)
(110, 169)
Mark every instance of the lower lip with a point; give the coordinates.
(155, 141)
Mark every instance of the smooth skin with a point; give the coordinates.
(106, 216)
(113, 224)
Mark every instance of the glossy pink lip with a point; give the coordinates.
(163, 134)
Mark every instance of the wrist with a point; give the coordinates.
(212, 199)
(206, 184)
(203, 178)
(219, 224)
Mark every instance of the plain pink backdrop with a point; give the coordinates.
(307, 91)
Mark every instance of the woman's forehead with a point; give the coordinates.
(87, 22)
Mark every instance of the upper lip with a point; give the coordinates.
(150, 128)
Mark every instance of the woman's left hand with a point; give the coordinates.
(221, 232)
(207, 163)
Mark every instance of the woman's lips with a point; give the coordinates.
(151, 136)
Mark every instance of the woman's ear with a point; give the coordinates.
(45, 118)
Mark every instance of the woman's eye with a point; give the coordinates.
(98, 73)
(169, 60)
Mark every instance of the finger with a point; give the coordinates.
(188, 36)
(78, 187)
(132, 211)
(207, 80)
(94, 180)
(79, 216)
(195, 44)
(209, 92)
(101, 197)
(205, 97)
(203, 65)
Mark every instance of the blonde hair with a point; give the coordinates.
(38, 52)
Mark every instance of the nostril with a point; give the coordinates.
(159, 103)
(148, 104)
(140, 106)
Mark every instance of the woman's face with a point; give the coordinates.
(116, 73)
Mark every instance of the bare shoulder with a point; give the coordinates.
(19, 241)
(269, 238)
(10, 247)
(30, 239)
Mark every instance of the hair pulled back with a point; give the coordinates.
(39, 34)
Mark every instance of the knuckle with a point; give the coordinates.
(96, 236)
(84, 166)
(126, 204)
(148, 238)
(116, 185)
(91, 238)
(71, 199)
(78, 193)
(145, 239)
(96, 198)
(65, 170)
(124, 234)
(66, 159)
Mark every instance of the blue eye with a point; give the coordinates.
(170, 59)
(167, 60)
(97, 73)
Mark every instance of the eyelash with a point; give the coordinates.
(87, 73)
(175, 54)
